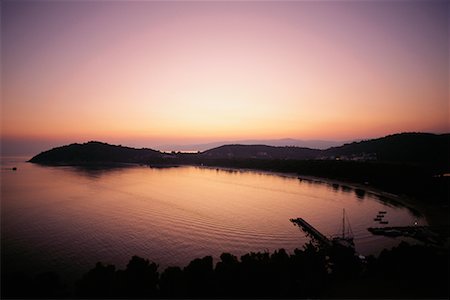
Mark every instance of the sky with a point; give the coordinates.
(147, 73)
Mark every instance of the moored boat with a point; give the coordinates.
(346, 239)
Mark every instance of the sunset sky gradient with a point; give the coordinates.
(148, 73)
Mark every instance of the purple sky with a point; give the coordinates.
(147, 73)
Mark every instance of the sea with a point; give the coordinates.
(65, 219)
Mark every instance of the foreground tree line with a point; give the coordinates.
(312, 272)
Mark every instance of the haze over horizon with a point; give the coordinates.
(146, 74)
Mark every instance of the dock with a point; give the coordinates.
(313, 232)
(426, 234)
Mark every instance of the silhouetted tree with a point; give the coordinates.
(98, 282)
(344, 262)
(48, 285)
(311, 272)
(255, 275)
(172, 283)
(16, 285)
(200, 277)
(422, 271)
(227, 276)
(43, 285)
(139, 280)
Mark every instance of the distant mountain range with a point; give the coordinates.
(421, 148)
(314, 144)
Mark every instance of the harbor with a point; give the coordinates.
(344, 240)
(435, 235)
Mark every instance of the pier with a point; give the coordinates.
(426, 234)
(313, 232)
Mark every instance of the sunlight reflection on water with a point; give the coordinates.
(68, 217)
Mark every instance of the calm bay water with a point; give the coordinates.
(65, 219)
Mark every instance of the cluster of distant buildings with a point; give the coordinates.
(354, 156)
(265, 155)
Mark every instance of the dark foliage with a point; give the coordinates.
(421, 270)
(45, 285)
(138, 280)
(172, 283)
(98, 282)
(403, 272)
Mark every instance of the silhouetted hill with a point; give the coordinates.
(416, 148)
(403, 147)
(261, 151)
(95, 152)
(422, 148)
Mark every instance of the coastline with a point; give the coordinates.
(433, 214)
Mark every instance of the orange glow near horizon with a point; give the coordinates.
(203, 71)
